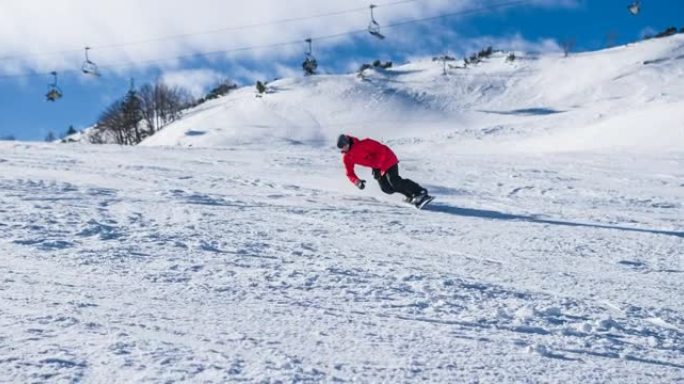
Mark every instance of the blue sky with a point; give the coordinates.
(130, 41)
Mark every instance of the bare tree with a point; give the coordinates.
(112, 120)
(98, 135)
(139, 114)
(149, 108)
(161, 105)
(171, 102)
(131, 109)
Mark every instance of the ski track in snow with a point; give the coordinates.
(227, 265)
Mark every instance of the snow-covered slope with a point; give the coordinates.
(554, 252)
(614, 97)
(245, 264)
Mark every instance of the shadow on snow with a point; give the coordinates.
(527, 112)
(495, 215)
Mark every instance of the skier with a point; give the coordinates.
(370, 153)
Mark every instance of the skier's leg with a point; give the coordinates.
(407, 187)
(385, 185)
(385, 180)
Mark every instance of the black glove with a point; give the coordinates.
(376, 173)
(361, 184)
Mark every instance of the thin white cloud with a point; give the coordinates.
(42, 35)
(195, 81)
(283, 71)
(512, 43)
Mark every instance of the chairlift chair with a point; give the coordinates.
(88, 67)
(373, 26)
(310, 64)
(634, 8)
(54, 93)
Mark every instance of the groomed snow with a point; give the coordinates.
(231, 248)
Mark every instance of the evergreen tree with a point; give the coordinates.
(222, 89)
(261, 87)
(668, 32)
(485, 52)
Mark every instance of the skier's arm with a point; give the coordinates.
(349, 167)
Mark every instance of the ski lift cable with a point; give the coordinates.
(209, 32)
(479, 10)
(298, 41)
(327, 37)
(473, 11)
(252, 26)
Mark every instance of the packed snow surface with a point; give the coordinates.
(231, 247)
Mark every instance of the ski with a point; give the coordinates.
(426, 200)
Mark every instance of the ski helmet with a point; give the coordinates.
(343, 140)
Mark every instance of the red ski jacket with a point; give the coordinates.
(368, 153)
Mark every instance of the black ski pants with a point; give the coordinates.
(391, 182)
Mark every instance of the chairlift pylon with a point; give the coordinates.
(310, 64)
(54, 93)
(88, 67)
(373, 26)
(635, 7)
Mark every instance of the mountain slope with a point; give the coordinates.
(497, 98)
